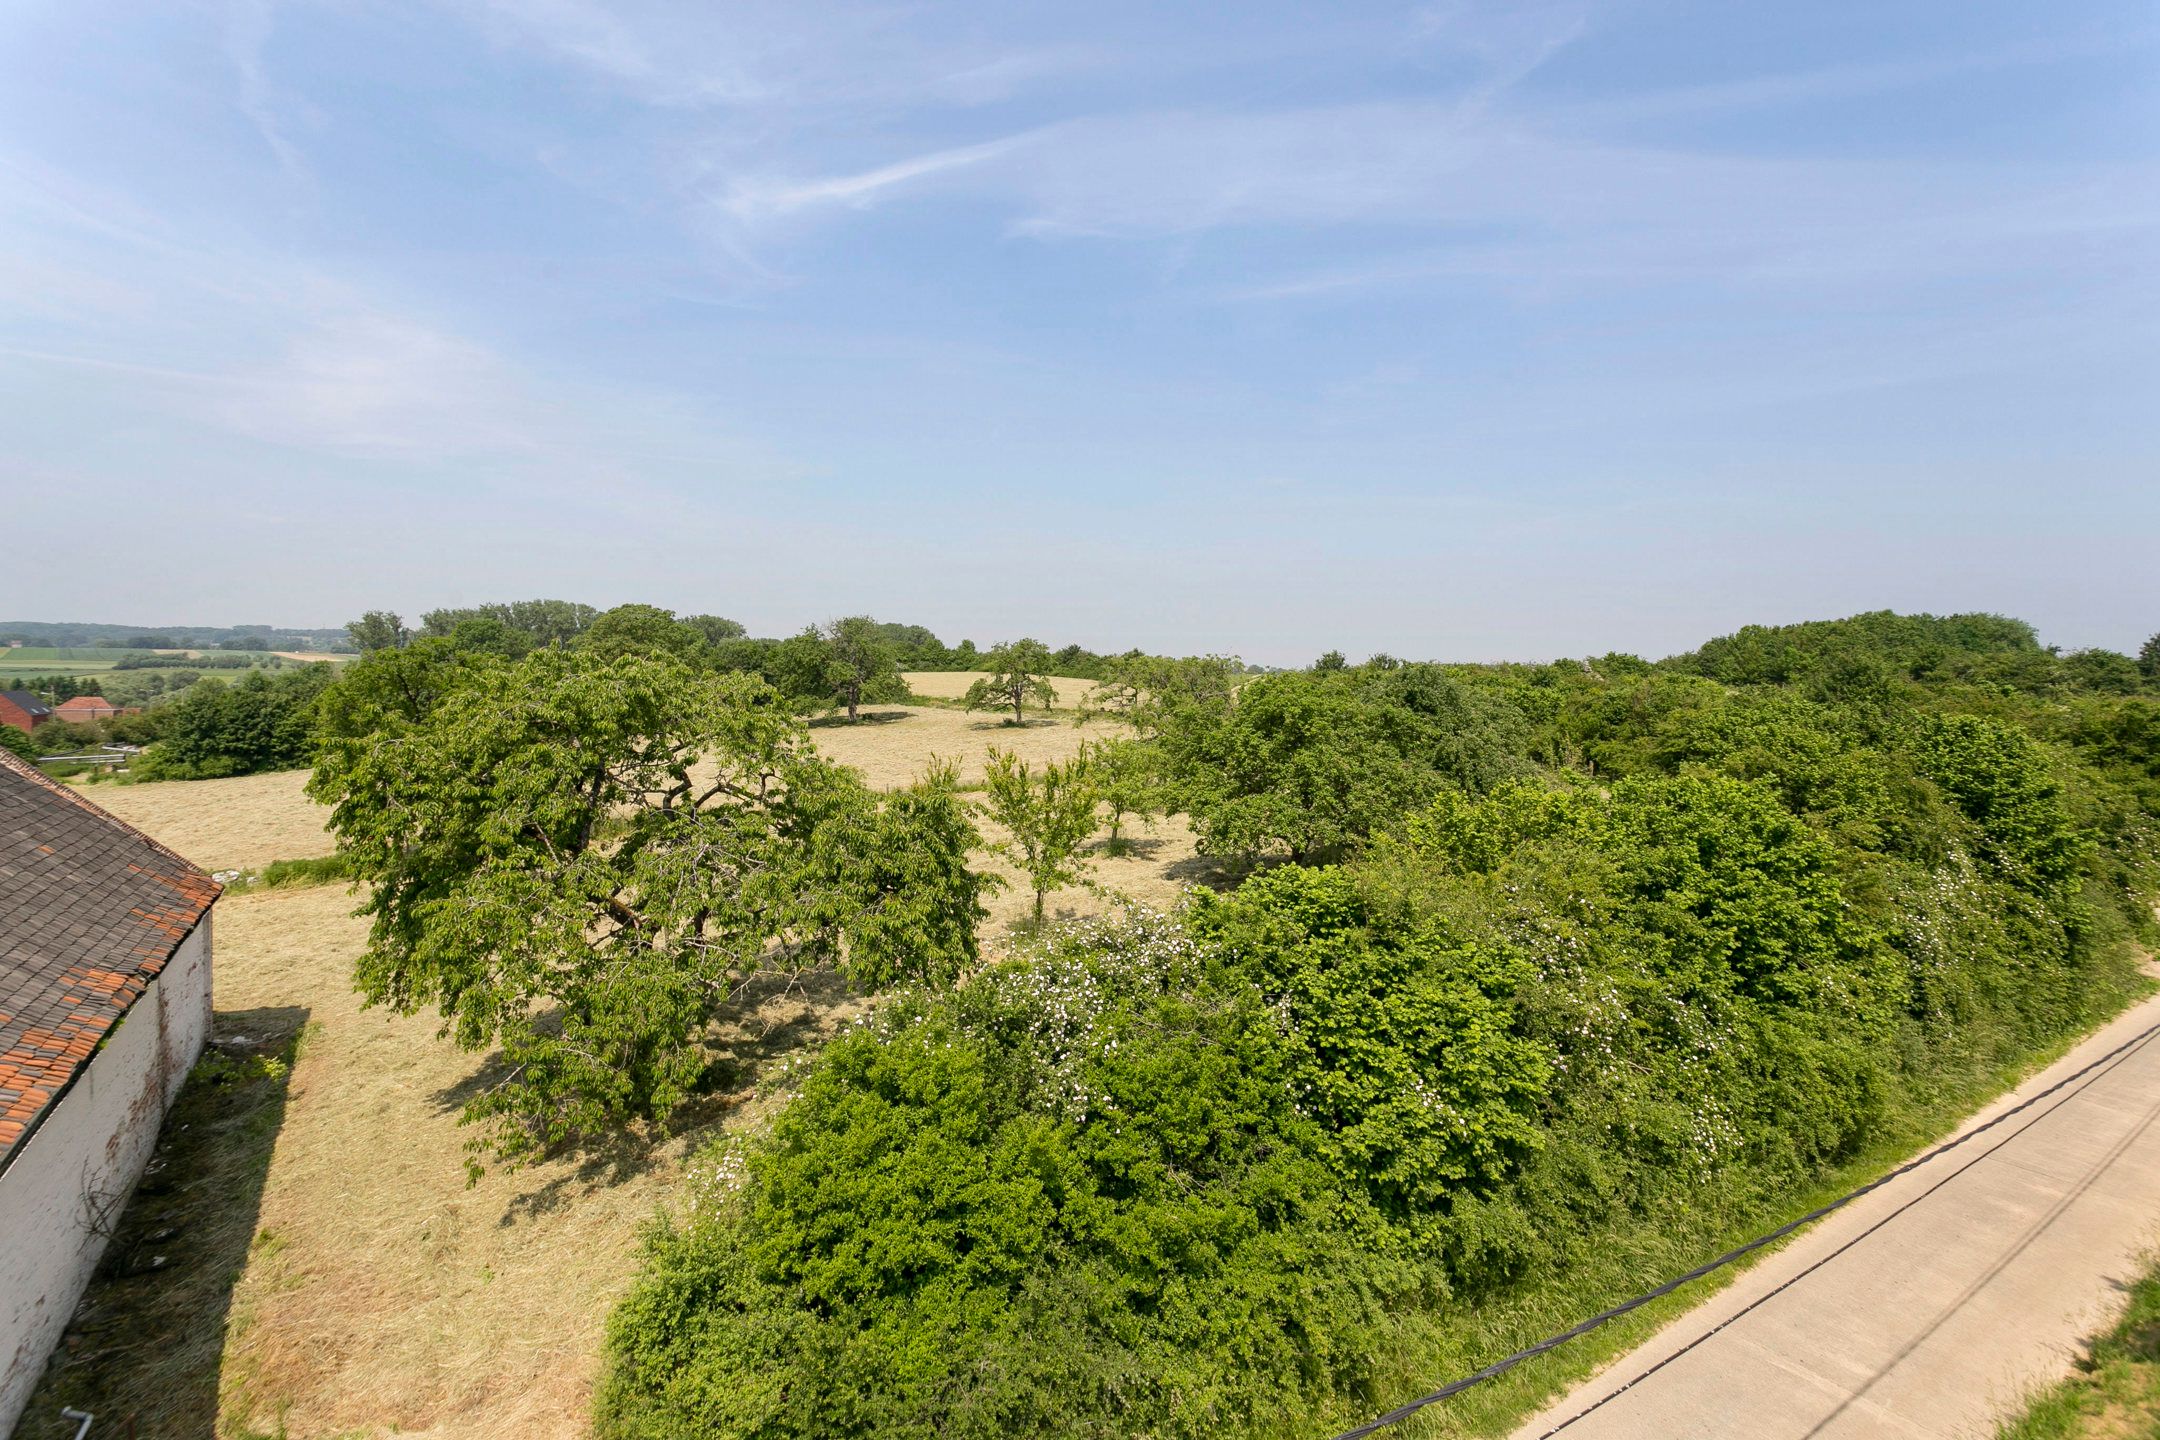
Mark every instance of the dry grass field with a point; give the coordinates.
(250, 820)
(234, 824)
(952, 684)
(358, 1287)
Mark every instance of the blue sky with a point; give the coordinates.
(1454, 329)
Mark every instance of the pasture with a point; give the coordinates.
(367, 1290)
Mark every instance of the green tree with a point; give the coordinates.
(717, 629)
(1048, 814)
(256, 723)
(1019, 671)
(2103, 670)
(1145, 690)
(647, 836)
(377, 630)
(544, 622)
(1128, 781)
(2148, 658)
(839, 665)
(641, 630)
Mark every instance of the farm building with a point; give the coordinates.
(104, 1006)
(23, 710)
(90, 707)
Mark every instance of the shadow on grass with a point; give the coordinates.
(1008, 723)
(867, 717)
(768, 1018)
(145, 1348)
(1214, 871)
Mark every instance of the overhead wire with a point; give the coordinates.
(2086, 1073)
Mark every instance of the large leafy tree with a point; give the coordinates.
(2148, 658)
(576, 858)
(377, 630)
(1019, 672)
(643, 630)
(544, 622)
(257, 723)
(840, 664)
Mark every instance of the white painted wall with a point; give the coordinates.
(94, 1142)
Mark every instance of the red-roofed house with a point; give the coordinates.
(90, 707)
(104, 1006)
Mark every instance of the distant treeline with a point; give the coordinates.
(170, 637)
(725, 643)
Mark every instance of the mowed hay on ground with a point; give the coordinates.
(239, 823)
(893, 744)
(248, 821)
(953, 684)
(382, 1294)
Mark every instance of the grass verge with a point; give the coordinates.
(1609, 1265)
(2115, 1392)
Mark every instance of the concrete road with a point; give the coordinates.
(1929, 1307)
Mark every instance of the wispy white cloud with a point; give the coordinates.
(247, 34)
(754, 199)
(776, 54)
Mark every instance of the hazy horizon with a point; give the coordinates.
(1458, 330)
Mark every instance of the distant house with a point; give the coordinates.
(90, 707)
(23, 710)
(104, 1007)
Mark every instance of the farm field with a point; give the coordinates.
(250, 820)
(376, 1292)
(233, 824)
(952, 684)
(26, 660)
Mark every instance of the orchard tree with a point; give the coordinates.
(575, 858)
(1019, 671)
(1145, 690)
(1128, 782)
(376, 630)
(839, 664)
(1048, 815)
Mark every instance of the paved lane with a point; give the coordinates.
(1929, 1307)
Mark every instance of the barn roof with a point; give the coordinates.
(29, 702)
(90, 910)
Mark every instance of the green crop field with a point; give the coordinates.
(24, 660)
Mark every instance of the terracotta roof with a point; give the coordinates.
(90, 910)
(85, 702)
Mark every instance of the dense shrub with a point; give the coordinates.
(1608, 944)
(257, 723)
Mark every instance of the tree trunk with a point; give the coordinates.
(854, 698)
